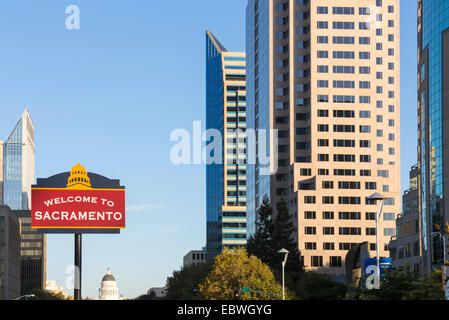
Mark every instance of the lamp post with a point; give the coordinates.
(376, 197)
(285, 252)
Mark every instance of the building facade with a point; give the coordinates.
(108, 290)
(9, 254)
(226, 163)
(33, 254)
(433, 113)
(325, 74)
(18, 165)
(52, 287)
(405, 246)
(195, 257)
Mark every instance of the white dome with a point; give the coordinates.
(108, 290)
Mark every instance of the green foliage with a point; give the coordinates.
(272, 235)
(183, 284)
(402, 285)
(316, 286)
(45, 295)
(234, 270)
(259, 244)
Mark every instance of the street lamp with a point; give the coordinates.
(285, 252)
(376, 197)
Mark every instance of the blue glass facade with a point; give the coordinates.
(214, 172)
(12, 170)
(258, 101)
(226, 180)
(434, 20)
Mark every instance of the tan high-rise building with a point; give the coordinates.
(326, 75)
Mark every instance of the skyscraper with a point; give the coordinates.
(18, 165)
(17, 175)
(325, 75)
(226, 172)
(433, 113)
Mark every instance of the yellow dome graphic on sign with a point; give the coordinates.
(78, 180)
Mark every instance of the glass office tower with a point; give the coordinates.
(18, 165)
(325, 74)
(17, 175)
(226, 121)
(433, 113)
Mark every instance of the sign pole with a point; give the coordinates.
(78, 251)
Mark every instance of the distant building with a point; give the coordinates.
(9, 254)
(158, 292)
(405, 247)
(17, 165)
(52, 287)
(108, 290)
(33, 255)
(195, 257)
(226, 180)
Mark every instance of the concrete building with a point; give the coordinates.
(33, 255)
(405, 246)
(195, 257)
(326, 75)
(9, 254)
(226, 168)
(51, 286)
(108, 290)
(433, 115)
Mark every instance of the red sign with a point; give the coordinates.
(78, 209)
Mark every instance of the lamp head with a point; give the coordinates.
(376, 196)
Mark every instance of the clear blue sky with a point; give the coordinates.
(109, 95)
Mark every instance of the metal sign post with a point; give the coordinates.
(78, 254)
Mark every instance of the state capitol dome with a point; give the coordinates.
(108, 290)
(78, 180)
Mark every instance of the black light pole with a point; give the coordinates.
(78, 250)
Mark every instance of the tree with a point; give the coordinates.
(183, 284)
(402, 285)
(316, 286)
(46, 295)
(234, 270)
(282, 237)
(259, 243)
(272, 235)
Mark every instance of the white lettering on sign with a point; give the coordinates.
(78, 216)
(78, 199)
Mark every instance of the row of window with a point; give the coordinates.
(341, 172)
(329, 215)
(348, 25)
(343, 246)
(324, 157)
(347, 84)
(344, 128)
(351, 10)
(351, 231)
(349, 200)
